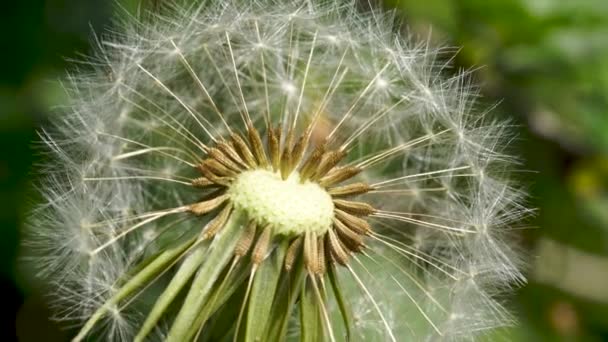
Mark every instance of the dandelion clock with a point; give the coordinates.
(270, 171)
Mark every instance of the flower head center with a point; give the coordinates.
(288, 206)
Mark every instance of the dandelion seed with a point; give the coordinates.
(241, 167)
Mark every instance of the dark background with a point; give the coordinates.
(544, 61)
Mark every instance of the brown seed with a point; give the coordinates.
(311, 163)
(338, 175)
(320, 269)
(257, 146)
(220, 181)
(223, 181)
(310, 252)
(337, 251)
(243, 150)
(286, 157)
(218, 169)
(329, 259)
(329, 160)
(299, 148)
(204, 207)
(246, 240)
(260, 251)
(350, 190)
(202, 182)
(217, 223)
(356, 208)
(274, 147)
(228, 149)
(359, 225)
(292, 252)
(350, 238)
(223, 159)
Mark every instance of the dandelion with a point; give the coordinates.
(275, 170)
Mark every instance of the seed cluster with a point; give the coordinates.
(229, 158)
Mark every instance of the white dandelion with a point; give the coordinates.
(272, 170)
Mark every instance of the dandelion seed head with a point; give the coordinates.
(268, 151)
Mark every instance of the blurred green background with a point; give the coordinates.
(544, 61)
